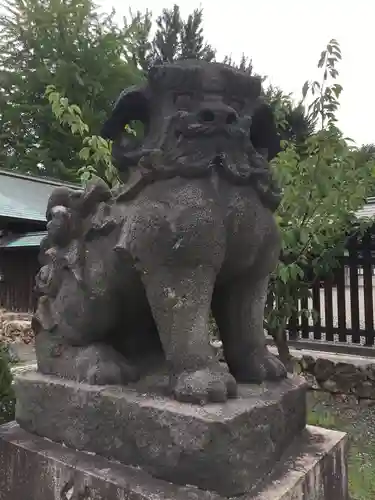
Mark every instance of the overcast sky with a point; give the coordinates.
(285, 38)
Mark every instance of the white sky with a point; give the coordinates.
(285, 37)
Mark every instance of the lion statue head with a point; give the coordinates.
(198, 118)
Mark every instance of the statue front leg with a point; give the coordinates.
(238, 307)
(178, 246)
(180, 300)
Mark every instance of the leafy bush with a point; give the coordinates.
(323, 186)
(7, 400)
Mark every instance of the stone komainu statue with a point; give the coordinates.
(129, 276)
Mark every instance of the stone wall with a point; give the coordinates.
(349, 378)
(328, 372)
(15, 327)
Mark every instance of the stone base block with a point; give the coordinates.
(35, 468)
(226, 448)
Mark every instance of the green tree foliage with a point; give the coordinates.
(89, 59)
(295, 123)
(366, 152)
(68, 44)
(245, 64)
(96, 152)
(175, 38)
(192, 39)
(365, 156)
(323, 186)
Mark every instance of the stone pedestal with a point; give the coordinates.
(227, 448)
(35, 468)
(78, 441)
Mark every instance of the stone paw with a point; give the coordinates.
(103, 365)
(209, 385)
(260, 367)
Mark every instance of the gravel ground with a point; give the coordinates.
(358, 420)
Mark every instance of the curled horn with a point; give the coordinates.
(131, 105)
(263, 132)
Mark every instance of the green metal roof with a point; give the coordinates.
(24, 240)
(25, 197)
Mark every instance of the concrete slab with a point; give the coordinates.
(314, 469)
(35, 468)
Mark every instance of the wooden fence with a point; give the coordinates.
(344, 303)
(18, 268)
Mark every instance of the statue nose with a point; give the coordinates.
(218, 115)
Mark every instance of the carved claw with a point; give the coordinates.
(214, 385)
(260, 367)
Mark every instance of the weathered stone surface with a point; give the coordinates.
(223, 447)
(323, 369)
(347, 378)
(34, 468)
(369, 371)
(134, 272)
(13, 316)
(307, 363)
(15, 328)
(329, 386)
(310, 380)
(365, 390)
(315, 469)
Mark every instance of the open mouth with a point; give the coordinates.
(198, 130)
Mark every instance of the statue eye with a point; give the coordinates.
(183, 100)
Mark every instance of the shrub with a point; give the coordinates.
(323, 186)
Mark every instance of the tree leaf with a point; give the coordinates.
(322, 58)
(85, 153)
(305, 89)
